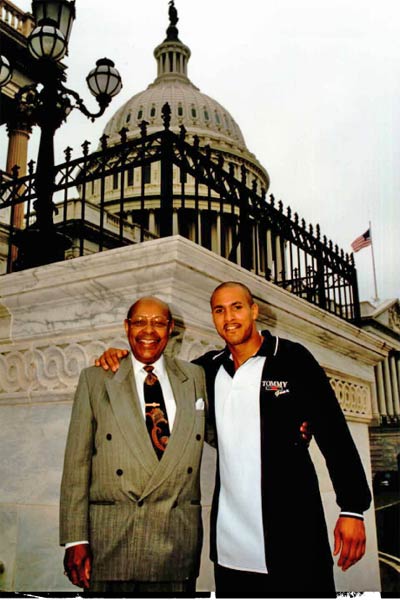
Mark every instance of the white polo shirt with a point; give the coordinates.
(240, 532)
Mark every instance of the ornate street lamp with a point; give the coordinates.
(40, 243)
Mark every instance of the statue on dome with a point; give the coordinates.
(172, 31)
(172, 13)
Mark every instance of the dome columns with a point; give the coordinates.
(172, 58)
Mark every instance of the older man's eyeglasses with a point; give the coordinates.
(155, 323)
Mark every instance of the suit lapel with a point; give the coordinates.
(184, 394)
(125, 403)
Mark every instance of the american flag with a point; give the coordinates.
(362, 241)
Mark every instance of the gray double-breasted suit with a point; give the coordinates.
(141, 516)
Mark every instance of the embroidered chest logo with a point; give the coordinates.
(278, 387)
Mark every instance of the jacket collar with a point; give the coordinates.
(268, 348)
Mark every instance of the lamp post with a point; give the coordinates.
(50, 104)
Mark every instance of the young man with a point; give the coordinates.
(268, 528)
(130, 513)
(268, 531)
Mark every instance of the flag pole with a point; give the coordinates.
(376, 298)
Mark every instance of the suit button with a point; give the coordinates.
(140, 503)
(109, 436)
(198, 437)
(119, 472)
(190, 470)
(175, 504)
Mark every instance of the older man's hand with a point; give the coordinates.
(350, 541)
(110, 359)
(306, 432)
(78, 564)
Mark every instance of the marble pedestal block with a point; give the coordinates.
(54, 320)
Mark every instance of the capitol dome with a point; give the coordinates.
(197, 188)
(201, 115)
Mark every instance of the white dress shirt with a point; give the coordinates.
(161, 372)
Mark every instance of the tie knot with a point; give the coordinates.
(151, 378)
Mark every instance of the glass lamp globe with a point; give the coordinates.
(104, 80)
(46, 41)
(5, 71)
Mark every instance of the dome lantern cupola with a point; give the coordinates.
(172, 56)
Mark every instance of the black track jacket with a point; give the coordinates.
(294, 388)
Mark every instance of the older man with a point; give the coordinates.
(268, 531)
(130, 514)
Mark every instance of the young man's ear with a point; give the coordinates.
(255, 310)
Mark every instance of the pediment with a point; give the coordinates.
(394, 317)
(386, 314)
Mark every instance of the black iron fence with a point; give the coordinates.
(161, 184)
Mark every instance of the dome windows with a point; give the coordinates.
(193, 112)
(217, 118)
(180, 110)
(146, 174)
(206, 114)
(140, 113)
(153, 111)
(128, 118)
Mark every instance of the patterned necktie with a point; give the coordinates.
(156, 412)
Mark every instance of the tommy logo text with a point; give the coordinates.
(278, 387)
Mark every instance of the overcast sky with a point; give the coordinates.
(313, 84)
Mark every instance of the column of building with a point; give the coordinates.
(387, 375)
(19, 130)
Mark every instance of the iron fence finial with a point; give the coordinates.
(166, 115)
